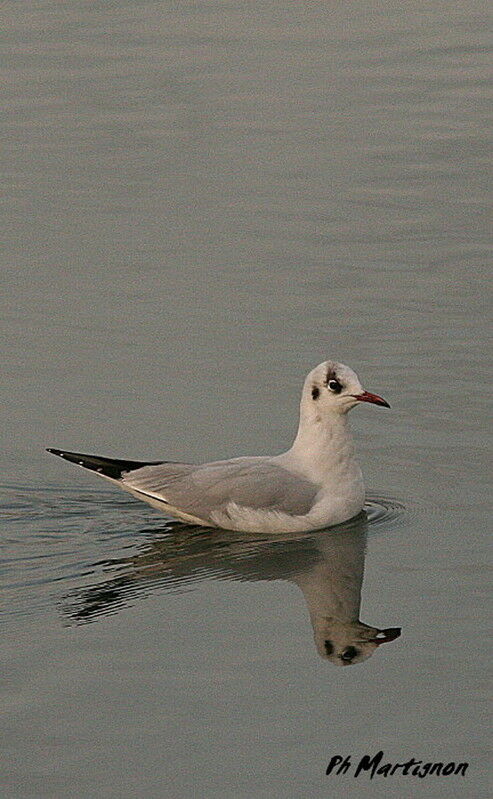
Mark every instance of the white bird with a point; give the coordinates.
(315, 484)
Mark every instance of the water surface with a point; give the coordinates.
(202, 202)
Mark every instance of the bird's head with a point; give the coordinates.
(352, 642)
(334, 388)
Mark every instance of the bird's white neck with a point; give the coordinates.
(324, 447)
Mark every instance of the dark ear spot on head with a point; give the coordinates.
(329, 648)
(315, 392)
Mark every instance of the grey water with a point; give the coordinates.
(202, 201)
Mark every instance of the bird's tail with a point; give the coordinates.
(106, 467)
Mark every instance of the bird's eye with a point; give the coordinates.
(349, 654)
(335, 386)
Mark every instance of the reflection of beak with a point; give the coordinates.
(390, 634)
(366, 396)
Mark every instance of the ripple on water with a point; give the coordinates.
(54, 535)
(381, 510)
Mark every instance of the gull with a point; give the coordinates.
(317, 483)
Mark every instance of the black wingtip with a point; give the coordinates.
(107, 467)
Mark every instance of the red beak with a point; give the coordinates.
(390, 634)
(366, 396)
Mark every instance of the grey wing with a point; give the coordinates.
(256, 483)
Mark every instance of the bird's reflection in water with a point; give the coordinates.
(327, 566)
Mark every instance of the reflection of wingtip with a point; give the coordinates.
(389, 634)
